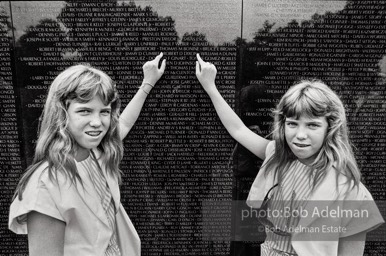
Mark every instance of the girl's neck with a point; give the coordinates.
(309, 161)
(81, 154)
(305, 162)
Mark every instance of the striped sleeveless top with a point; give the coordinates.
(286, 198)
(92, 168)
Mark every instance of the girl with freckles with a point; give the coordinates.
(308, 165)
(68, 200)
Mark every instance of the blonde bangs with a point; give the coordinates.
(308, 101)
(93, 83)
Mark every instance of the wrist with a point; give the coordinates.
(211, 89)
(148, 82)
(146, 87)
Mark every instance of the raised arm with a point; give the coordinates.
(206, 74)
(151, 74)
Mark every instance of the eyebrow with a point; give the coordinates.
(291, 120)
(313, 121)
(82, 107)
(89, 108)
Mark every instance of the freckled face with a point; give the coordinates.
(88, 123)
(305, 136)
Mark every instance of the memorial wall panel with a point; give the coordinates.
(11, 165)
(178, 155)
(339, 42)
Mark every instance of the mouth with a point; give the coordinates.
(93, 133)
(301, 145)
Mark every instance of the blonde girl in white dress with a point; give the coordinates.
(68, 201)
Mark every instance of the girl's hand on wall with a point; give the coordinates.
(206, 73)
(151, 72)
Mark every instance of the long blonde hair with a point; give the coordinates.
(55, 143)
(313, 98)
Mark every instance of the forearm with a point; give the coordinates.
(151, 74)
(131, 112)
(206, 73)
(235, 126)
(228, 117)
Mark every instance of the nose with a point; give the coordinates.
(95, 121)
(301, 133)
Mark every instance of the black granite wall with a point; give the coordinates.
(178, 155)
